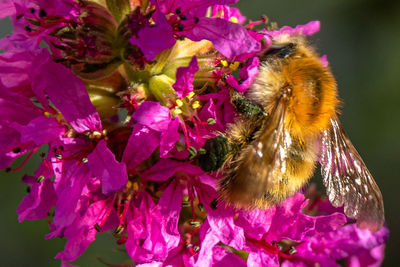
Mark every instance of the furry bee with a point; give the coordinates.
(288, 122)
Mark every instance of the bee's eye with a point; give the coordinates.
(287, 50)
(281, 50)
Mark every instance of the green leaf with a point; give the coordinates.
(119, 8)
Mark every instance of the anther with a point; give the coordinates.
(292, 250)
(273, 243)
(42, 155)
(196, 105)
(182, 37)
(28, 189)
(58, 156)
(211, 121)
(195, 223)
(196, 248)
(42, 13)
(179, 102)
(16, 150)
(182, 17)
(200, 206)
(178, 10)
(32, 10)
(196, 20)
(202, 151)
(40, 179)
(61, 148)
(214, 204)
(185, 204)
(28, 29)
(97, 227)
(85, 160)
(181, 27)
(234, 19)
(118, 231)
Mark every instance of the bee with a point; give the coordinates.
(288, 122)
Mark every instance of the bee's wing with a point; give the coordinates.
(256, 173)
(347, 179)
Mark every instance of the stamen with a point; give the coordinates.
(178, 10)
(201, 207)
(190, 95)
(42, 13)
(224, 63)
(97, 227)
(292, 250)
(234, 19)
(40, 179)
(196, 20)
(214, 204)
(16, 150)
(185, 204)
(181, 27)
(196, 105)
(211, 121)
(24, 162)
(195, 223)
(179, 102)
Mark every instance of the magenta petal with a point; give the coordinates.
(230, 39)
(40, 130)
(153, 115)
(82, 232)
(308, 29)
(146, 241)
(69, 96)
(103, 165)
(153, 40)
(247, 76)
(261, 258)
(370, 258)
(73, 179)
(38, 203)
(170, 205)
(7, 8)
(184, 78)
(165, 168)
(141, 144)
(169, 138)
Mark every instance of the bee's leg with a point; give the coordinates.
(245, 106)
(216, 151)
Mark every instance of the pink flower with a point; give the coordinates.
(135, 171)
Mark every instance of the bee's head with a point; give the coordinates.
(280, 50)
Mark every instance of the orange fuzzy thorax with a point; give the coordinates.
(310, 88)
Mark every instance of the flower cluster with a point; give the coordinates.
(123, 96)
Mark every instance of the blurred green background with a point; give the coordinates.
(362, 42)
